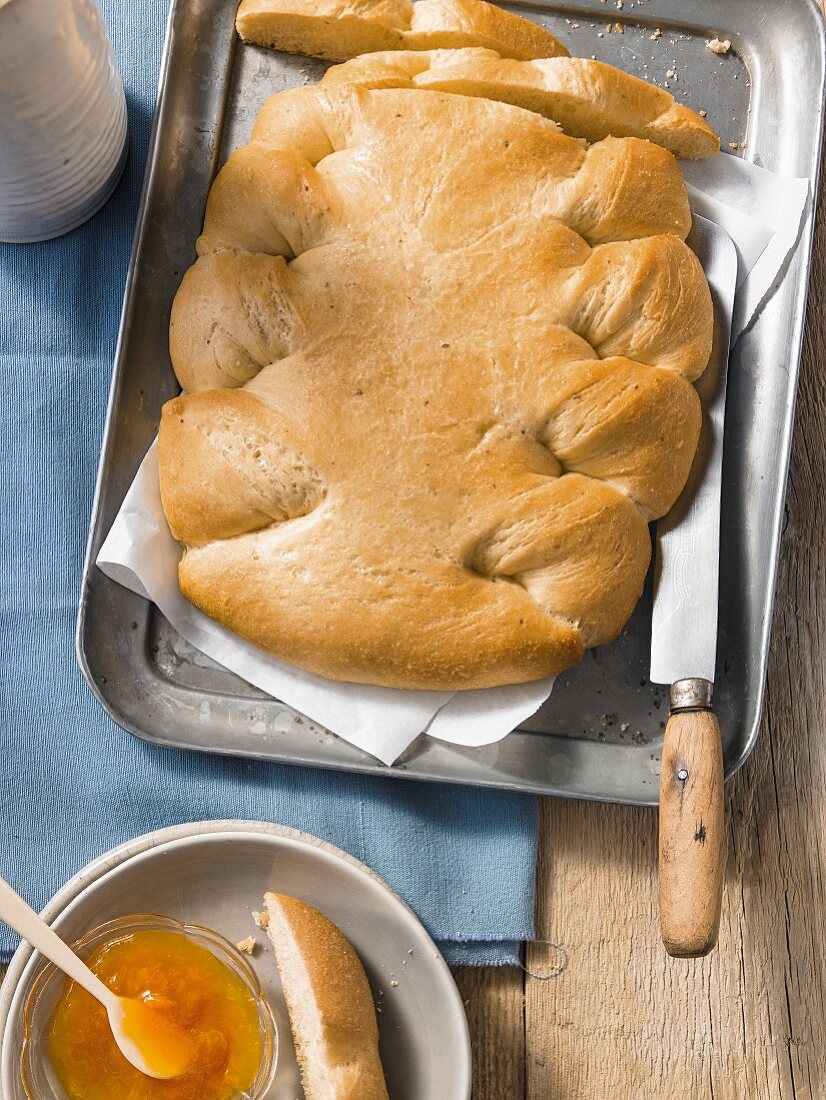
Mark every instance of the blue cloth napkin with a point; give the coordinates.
(74, 784)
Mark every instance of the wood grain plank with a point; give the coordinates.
(495, 1003)
(748, 1023)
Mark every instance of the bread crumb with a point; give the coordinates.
(717, 46)
(657, 34)
(619, 5)
(609, 27)
(618, 27)
(261, 919)
(394, 984)
(247, 945)
(624, 727)
(671, 74)
(702, 114)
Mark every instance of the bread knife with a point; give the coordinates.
(684, 648)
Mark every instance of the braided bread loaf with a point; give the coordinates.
(336, 30)
(438, 357)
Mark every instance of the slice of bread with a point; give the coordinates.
(336, 30)
(333, 30)
(589, 99)
(332, 1015)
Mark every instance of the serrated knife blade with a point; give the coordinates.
(686, 575)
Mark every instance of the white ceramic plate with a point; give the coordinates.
(215, 873)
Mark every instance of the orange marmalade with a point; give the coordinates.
(193, 989)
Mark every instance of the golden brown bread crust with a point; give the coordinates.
(332, 996)
(588, 99)
(466, 387)
(257, 475)
(336, 30)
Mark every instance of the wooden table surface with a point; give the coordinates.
(622, 1020)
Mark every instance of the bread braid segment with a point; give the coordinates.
(588, 99)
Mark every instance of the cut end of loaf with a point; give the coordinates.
(690, 136)
(304, 1010)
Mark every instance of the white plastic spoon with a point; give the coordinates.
(145, 1037)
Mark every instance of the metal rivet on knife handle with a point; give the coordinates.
(692, 824)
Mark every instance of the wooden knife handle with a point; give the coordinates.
(692, 834)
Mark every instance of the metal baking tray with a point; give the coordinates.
(599, 735)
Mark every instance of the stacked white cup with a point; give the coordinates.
(62, 117)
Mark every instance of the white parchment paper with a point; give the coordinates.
(762, 212)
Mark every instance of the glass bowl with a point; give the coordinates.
(37, 1075)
